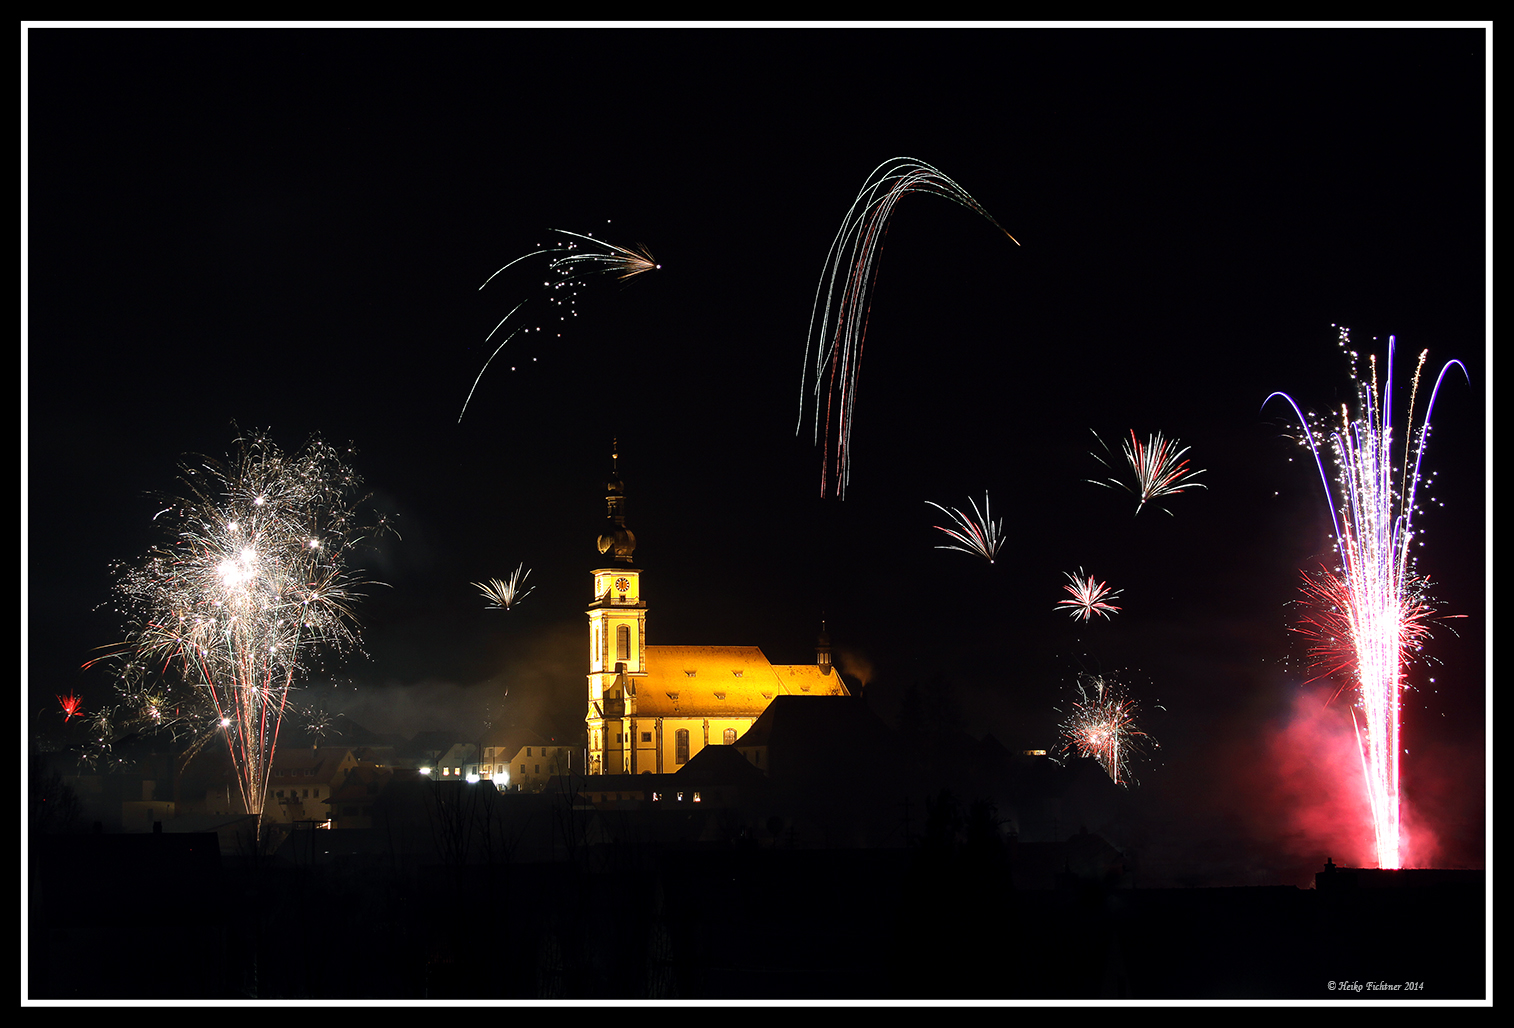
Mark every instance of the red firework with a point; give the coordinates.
(1101, 724)
(70, 705)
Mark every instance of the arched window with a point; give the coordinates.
(623, 642)
(730, 737)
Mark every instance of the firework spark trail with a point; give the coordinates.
(1101, 723)
(252, 588)
(1158, 466)
(1088, 597)
(839, 326)
(502, 595)
(980, 535)
(1369, 615)
(567, 264)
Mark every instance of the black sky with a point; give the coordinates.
(287, 228)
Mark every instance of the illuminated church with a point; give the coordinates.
(651, 708)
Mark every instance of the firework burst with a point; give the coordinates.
(506, 593)
(1370, 614)
(1158, 466)
(1088, 597)
(838, 321)
(567, 264)
(70, 705)
(1100, 722)
(979, 535)
(250, 590)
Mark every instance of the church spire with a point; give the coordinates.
(823, 649)
(615, 536)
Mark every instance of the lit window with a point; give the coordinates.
(729, 736)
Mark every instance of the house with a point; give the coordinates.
(351, 801)
(301, 782)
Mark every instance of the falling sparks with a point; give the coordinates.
(1088, 597)
(1101, 723)
(1158, 466)
(838, 323)
(979, 535)
(1369, 614)
(568, 264)
(502, 595)
(251, 587)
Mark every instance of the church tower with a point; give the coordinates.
(617, 638)
(651, 709)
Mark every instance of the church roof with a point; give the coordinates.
(710, 681)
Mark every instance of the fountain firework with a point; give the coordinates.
(838, 327)
(249, 590)
(1369, 615)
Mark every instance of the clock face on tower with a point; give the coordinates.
(622, 585)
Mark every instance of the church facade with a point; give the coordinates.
(652, 708)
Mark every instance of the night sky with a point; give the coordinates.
(287, 229)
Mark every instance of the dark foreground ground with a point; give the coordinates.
(173, 917)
